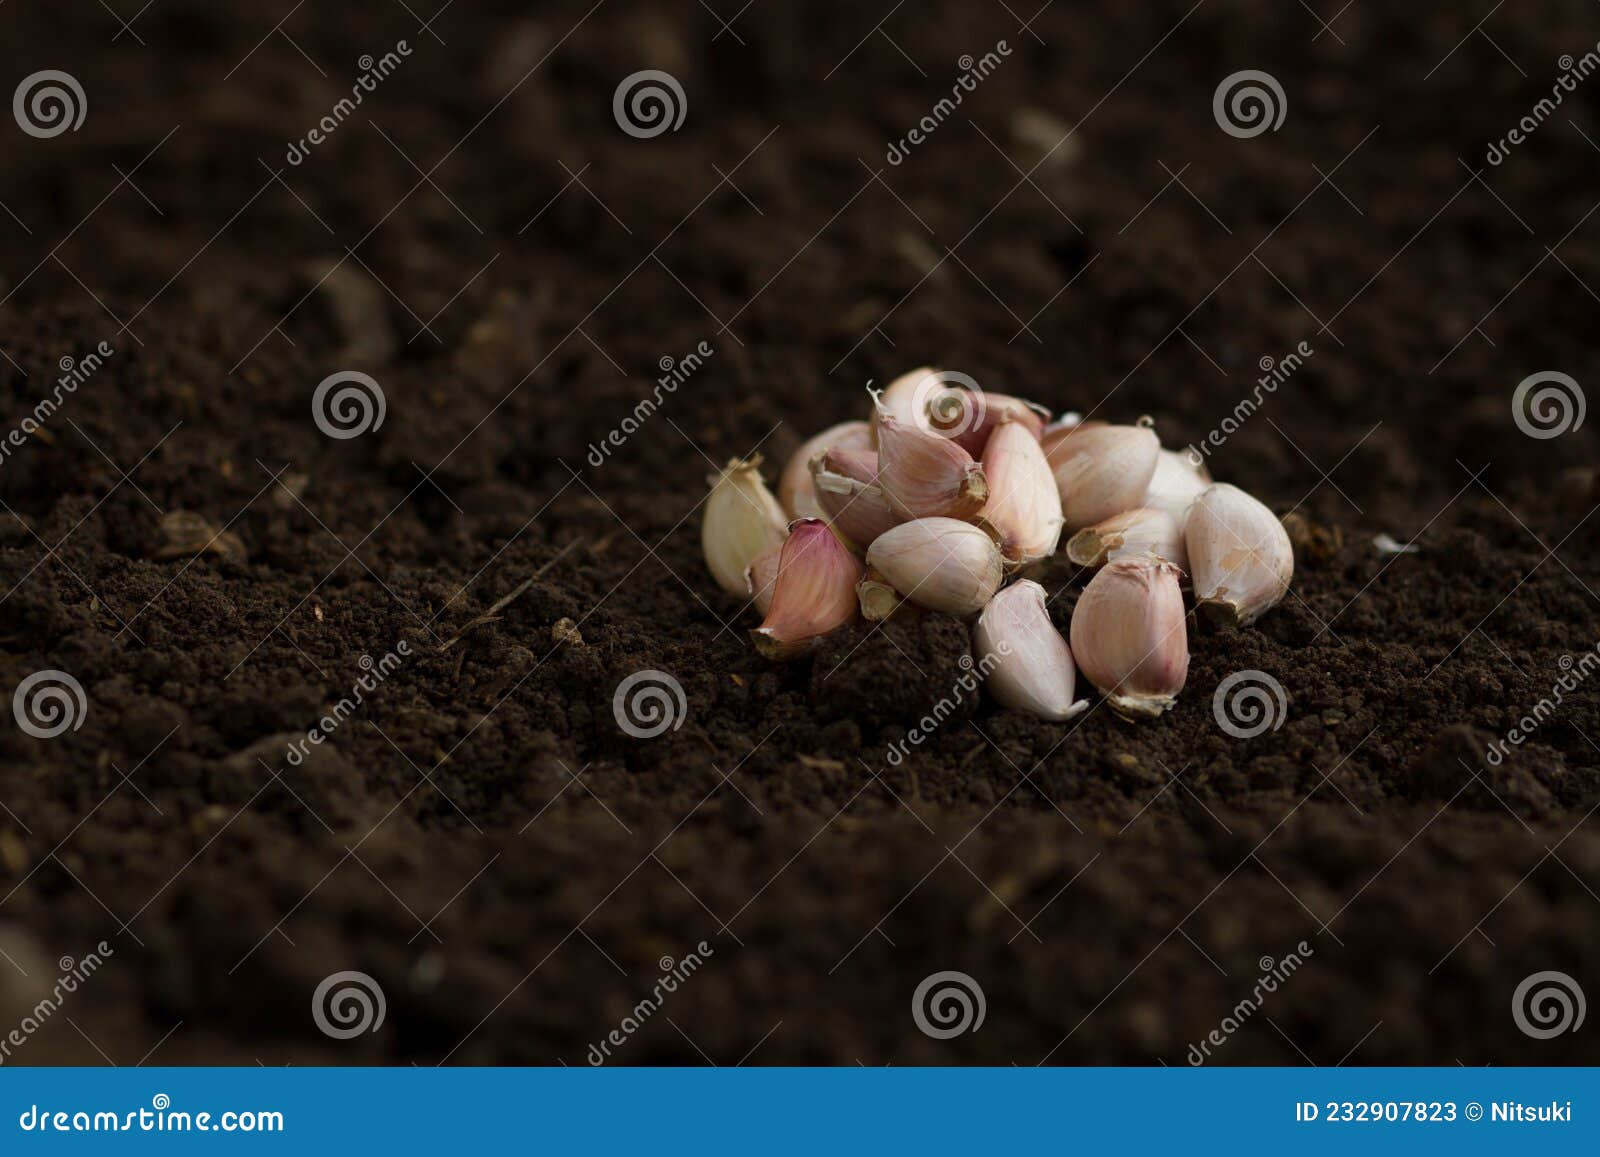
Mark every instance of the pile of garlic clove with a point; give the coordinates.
(946, 492)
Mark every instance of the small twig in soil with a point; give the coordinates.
(493, 613)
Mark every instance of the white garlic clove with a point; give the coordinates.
(926, 476)
(1028, 664)
(1024, 505)
(845, 483)
(1177, 482)
(1129, 635)
(940, 564)
(794, 486)
(1240, 554)
(1102, 470)
(1146, 530)
(743, 521)
(759, 579)
(814, 593)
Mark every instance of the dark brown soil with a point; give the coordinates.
(480, 836)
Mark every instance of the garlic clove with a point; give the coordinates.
(925, 476)
(1024, 505)
(1129, 635)
(1240, 554)
(814, 593)
(743, 521)
(940, 564)
(1177, 482)
(1028, 664)
(1145, 530)
(760, 577)
(1102, 470)
(845, 484)
(794, 486)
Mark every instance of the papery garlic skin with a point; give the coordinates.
(940, 564)
(743, 521)
(794, 485)
(1240, 555)
(845, 484)
(1029, 665)
(1102, 470)
(1145, 530)
(760, 577)
(1177, 482)
(1024, 504)
(926, 476)
(1130, 637)
(814, 593)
